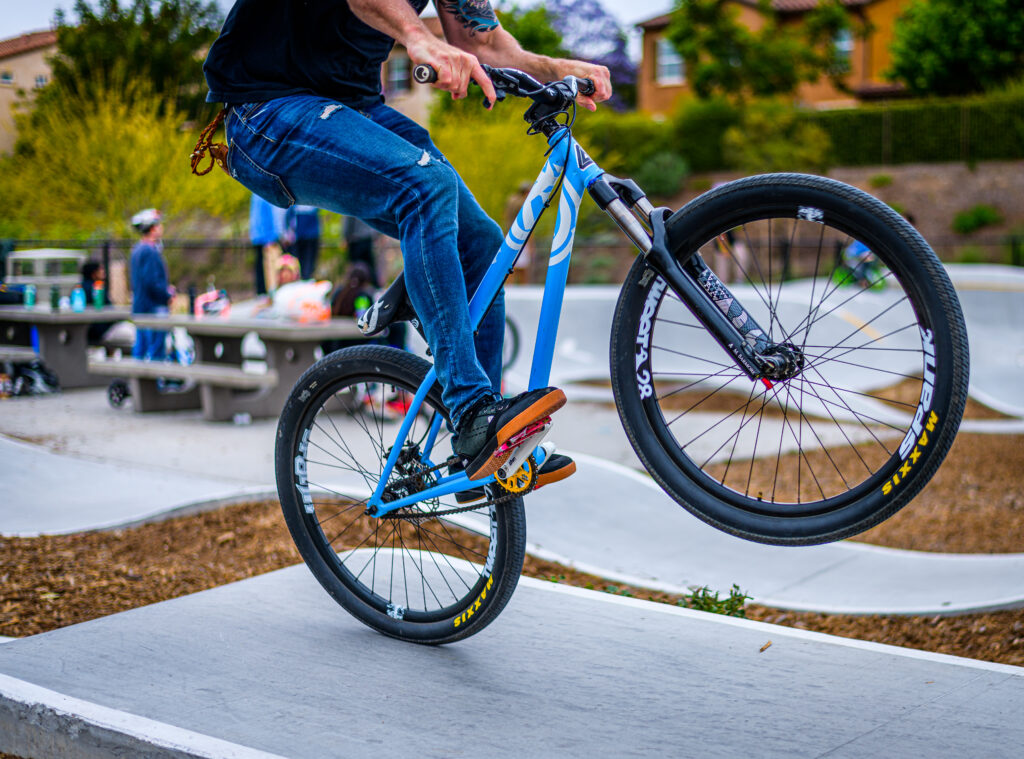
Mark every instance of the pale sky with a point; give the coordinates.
(20, 16)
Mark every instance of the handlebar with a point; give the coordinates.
(424, 73)
(508, 81)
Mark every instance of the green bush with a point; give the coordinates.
(697, 130)
(972, 254)
(973, 219)
(662, 174)
(927, 131)
(880, 180)
(477, 143)
(772, 136)
(622, 142)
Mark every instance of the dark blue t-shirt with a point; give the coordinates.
(272, 48)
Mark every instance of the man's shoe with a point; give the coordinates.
(554, 469)
(485, 428)
(466, 496)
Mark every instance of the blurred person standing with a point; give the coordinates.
(151, 291)
(304, 228)
(359, 237)
(266, 231)
(94, 277)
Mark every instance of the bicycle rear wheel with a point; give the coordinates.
(879, 372)
(418, 574)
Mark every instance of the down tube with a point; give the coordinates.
(580, 172)
(533, 207)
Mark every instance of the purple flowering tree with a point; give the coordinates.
(591, 33)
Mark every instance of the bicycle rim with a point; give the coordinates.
(838, 434)
(412, 575)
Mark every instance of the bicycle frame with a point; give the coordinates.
(578, 171)
(697, 285)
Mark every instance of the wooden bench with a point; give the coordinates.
(216, 388)
(16, 354)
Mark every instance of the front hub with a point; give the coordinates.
(782, 361)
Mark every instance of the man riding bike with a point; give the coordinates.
(307, 124)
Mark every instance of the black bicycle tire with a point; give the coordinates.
(731, 205)
(510, 354)
(492, 589)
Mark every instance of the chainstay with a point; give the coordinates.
(419, 515)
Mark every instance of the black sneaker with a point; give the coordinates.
(485, 428)
(466, 496)
(555, 468)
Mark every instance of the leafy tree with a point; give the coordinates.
(161, 42)
(84, 171)
(957, 47)
(725, 57)
(533, 28)
(590, 33)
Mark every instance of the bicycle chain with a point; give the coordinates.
(422, 516)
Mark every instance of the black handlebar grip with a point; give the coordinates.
(424, 73)
(586, 86)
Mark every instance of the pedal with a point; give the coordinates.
(523, 443)
(549, 449)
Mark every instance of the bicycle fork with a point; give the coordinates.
(710, 301)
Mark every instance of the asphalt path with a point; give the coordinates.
(270, 667)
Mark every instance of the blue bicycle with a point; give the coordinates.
(779, 407)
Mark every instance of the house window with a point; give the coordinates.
(399, 68)
(669, 66)
(41, 81)
(843, 46)
(6, 77)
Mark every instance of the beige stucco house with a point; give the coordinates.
(24, 68)
(661, 79)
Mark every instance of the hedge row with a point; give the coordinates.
(976, 129)
(927, 131)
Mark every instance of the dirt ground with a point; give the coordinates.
(975, 504)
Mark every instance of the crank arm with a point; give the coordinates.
(523, 452)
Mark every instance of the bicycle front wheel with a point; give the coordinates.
(434, 572)
(878, 370)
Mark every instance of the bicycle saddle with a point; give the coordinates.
(393, 306)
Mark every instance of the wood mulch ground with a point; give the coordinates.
(975, 504)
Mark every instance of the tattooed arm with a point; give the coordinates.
(472, 25)
(455, 67)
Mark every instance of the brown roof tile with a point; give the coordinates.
(796, 6)
(26, 43)
(782, 6)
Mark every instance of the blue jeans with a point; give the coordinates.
(151, 344)
(379, 166)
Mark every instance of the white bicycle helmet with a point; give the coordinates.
(145, 220)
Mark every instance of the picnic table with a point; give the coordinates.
(218, 381)
(63, 345)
